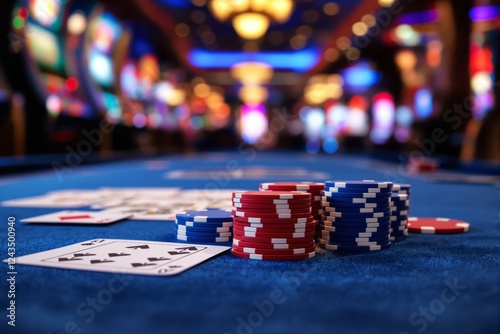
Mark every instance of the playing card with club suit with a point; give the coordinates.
(78, 217)
(125, 256)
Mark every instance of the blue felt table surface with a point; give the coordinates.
(402, 289)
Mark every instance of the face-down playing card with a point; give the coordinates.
(78, 217)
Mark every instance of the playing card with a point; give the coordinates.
(124, 256)
(148, 209)
(78, 217)
(73, 198)
(48, 201)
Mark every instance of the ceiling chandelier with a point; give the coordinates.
(251, 18)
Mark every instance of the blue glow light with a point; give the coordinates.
(299, 61)
(176, 3)
(313, 146)
(139, 48)
(101, 68)
(484, 13)
(427, 16)
(361, 76)
(423, 103)
(330, 145)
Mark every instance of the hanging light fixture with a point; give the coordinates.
(252, 73)
(251, 18)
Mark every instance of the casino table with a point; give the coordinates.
(427, 283)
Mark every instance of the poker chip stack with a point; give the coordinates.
(356, 216)
(399, 216)
(313, 188)
(212, 225)
(273, 225)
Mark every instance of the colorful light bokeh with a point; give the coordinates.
(253, 122)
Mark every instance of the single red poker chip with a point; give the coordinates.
(267, 245)
(277, 240)
(270, 214)
(262, 206)
(272, 201)
(259, 234)
(431, 225)
(269, 251)
(271, 220)
(270, 195)
(289, 186)
(304, 209)
(279, 226)
(273, 211)
(315, 195)
(273, 257)
(244, 229)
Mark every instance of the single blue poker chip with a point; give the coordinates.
(398, 218)
(325, 202)
(382, 239)
(204, 229)
(396, 187)
(404, 232)
(399, 206)
(334, 195)
(203, 234)
(356, 230)
(397, 238)
(355, 225)
(359, 220)
(399, 213)
(196, 239)
(399, 197)
(386, 214)
(358, 190)
(355, 234)
(356, 243)
(358, 184)
(205, 216)
(399, 201)
(354, 248)
(354, 210)
(354, 200)
(204, 225)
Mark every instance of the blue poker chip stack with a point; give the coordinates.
(400, 207)
(356, 216)
(211, 225)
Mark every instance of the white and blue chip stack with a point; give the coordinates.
(356, 216)
(400, 207)
(204, 226)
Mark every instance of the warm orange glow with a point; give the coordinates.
(251, 25)
(252, 73)
(251, 18)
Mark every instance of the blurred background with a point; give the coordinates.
(321, 76)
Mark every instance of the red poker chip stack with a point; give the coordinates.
(313, 188)
(273, 225)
